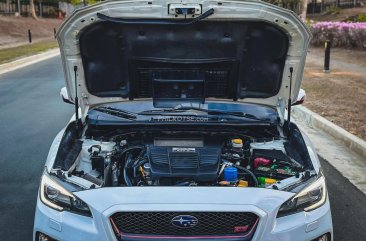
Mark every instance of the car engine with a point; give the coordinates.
(182, 159)
(186, 159)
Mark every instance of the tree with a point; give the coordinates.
(304, 9)
(32, 9)
(298, 6)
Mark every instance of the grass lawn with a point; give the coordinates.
(7, 55)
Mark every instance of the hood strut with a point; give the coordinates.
(156, 21)
(76, 101)
(289, 105)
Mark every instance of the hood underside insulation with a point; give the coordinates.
(218, 59)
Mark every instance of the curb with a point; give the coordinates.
(23, 62)
(314, 120)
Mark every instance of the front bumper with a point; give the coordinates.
(66, 226)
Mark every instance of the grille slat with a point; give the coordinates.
(160, 223)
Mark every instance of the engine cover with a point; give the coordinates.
(196, 163)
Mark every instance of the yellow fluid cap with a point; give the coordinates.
(243, 183)
(237, 141)
(270, 181)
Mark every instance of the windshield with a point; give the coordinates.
(144, 111)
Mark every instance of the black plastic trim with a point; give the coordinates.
(157, 21)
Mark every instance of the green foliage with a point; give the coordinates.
(76, 2)
(9, 54)
(361, 17)
(358, 18)
(79, 2)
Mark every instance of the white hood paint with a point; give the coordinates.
(184, 199)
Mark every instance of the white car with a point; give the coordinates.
(182, 127)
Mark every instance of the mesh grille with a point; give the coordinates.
(217, 81)
(144, 77)
(160, 223)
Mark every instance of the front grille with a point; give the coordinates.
(160, 223)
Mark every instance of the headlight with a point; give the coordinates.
(57, 197)
(310, 198)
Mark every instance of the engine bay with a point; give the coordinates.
(187, 158)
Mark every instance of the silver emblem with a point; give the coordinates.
(183, 149)
(184, 221)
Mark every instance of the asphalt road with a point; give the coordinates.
(32, 113)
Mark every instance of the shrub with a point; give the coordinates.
(341, 34)
(361, 18)
(358, 18)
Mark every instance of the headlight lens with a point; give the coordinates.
(310, 198)
(57, 197)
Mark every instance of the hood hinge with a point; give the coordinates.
(85, 97)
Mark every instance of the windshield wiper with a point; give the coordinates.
(181, 109)
(116, 112)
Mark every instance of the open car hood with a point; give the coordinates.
(172, 53)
